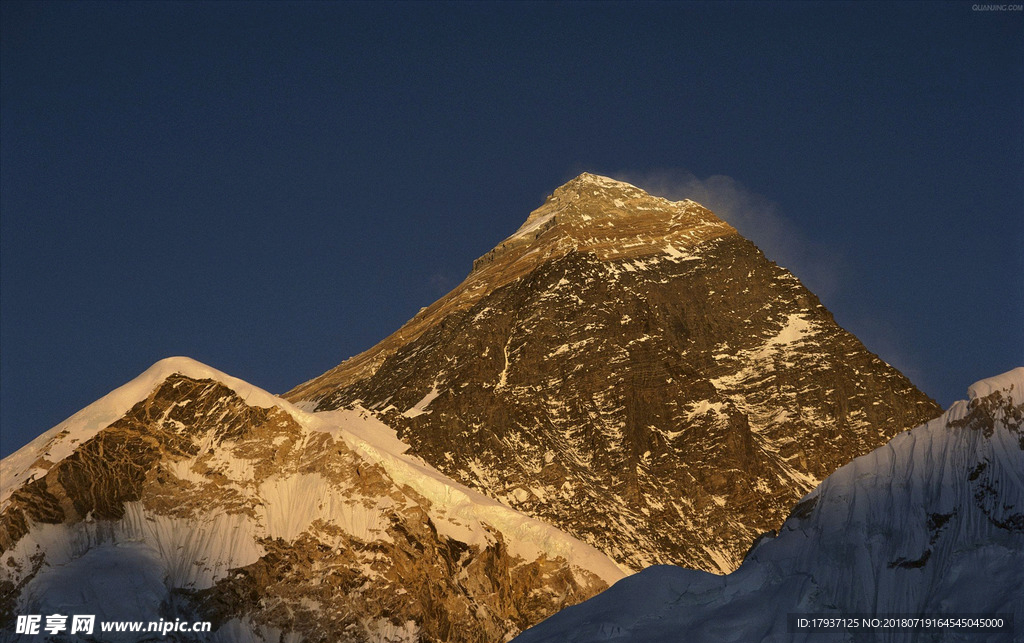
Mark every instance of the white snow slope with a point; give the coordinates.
(931, 524)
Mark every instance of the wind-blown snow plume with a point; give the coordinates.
(756, 217)
(764, 222)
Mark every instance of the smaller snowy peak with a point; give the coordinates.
(1009, 383)
(59, 442)
(161, 370)
(189, 479)
(373, 440)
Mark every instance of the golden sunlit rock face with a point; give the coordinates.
(612, 219)
(635, 372)
(258, 518)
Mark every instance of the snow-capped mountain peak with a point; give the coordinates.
(39, 455)
(623, 363)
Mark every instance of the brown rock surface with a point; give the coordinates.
(635, 372)
(263, 525)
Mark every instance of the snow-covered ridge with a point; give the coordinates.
(1011, 382)
(531, 225)
(60, 441)
(461, 512)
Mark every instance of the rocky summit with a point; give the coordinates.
(635, 372)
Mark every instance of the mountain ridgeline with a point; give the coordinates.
(635, 372)
(623, 382)
(188, 494)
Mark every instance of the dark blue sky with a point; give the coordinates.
(271, 188)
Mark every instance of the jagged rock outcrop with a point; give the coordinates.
(635, 372)
(931, 526)
(189, 494)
